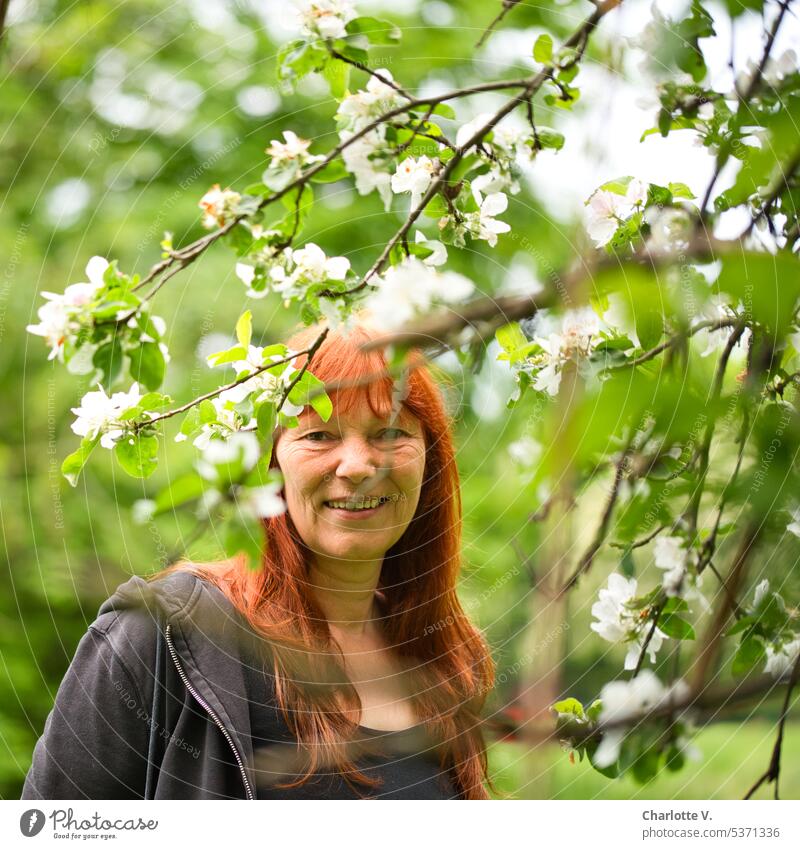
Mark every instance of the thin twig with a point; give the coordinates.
(710, 324)
(136, 426)
(655, 612)
(773, 771)
(641, 542)
(744, 97)
(584, 564)
(508, 5)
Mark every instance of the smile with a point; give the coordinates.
(363, 505)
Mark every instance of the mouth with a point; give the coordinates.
(363, 506)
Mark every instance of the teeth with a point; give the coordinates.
(364, 504)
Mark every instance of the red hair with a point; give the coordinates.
(424, 622)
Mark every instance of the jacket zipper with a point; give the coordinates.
(209, 710)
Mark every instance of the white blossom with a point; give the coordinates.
(241, 447)
(260, 502)
(143, 510)
(525, 451)
(219, 206)
(59, 317)
(761, 591)
(618, 621)
(636, 193)
(482, 224)
(781, 661)
(293, 150)
(627, 700)
(439, 255)
(325, 18)
(468, 130)
(306, 266)
(358, 110)
(414, 175)
(335, 311)
(604, 214)
(606, 210)
(578, 337)
(269, 386)
(411, 288)
(548, 378)
(670, 555)
(367, 161)
(99, 414)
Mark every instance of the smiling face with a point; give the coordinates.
(349, 461)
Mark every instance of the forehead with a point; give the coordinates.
(358, 415)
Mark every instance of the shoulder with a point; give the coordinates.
(129, 620)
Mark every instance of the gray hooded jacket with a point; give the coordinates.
(140, 715)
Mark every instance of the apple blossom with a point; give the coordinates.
(411, 288)
(627, 700)
(219, 206)
(59, 317)
(619, 621)
(482, 224)
(98, 414)
(414, 175)
(781, 660)
(260, 502)
(325, 18)
(292, 151)
(367, 160)
(358, 110)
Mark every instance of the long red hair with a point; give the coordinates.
(424, 622)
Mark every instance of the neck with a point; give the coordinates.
(345, 592)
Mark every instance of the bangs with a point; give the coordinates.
(362, 374)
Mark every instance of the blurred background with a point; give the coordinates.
(115, 118)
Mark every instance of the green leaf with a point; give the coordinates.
(750, 653)
(569, 706)
(649, 327)
(511, 337)
(675, 627)
(74, 463)
(138, 455)
(681, 190)
(244, 329)
(627, 564)
(244, 536)
(108, 358)
(543, 49)
(332, 172)
(147, 365)
(183, 489)
(337, 75)
(376, 30)
(767, 284)
(741, 625)
(436, 207)
(550, 138)
(445, 110)
(232, 355)
(266, 418)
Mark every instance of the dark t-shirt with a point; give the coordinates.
(406, 761)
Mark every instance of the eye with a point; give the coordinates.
(393, 433)
(315, 433)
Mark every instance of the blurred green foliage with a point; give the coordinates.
(115, 120)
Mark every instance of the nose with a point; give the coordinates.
(357, 460)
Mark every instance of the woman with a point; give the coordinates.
(344, 667)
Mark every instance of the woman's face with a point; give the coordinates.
(349, 460)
